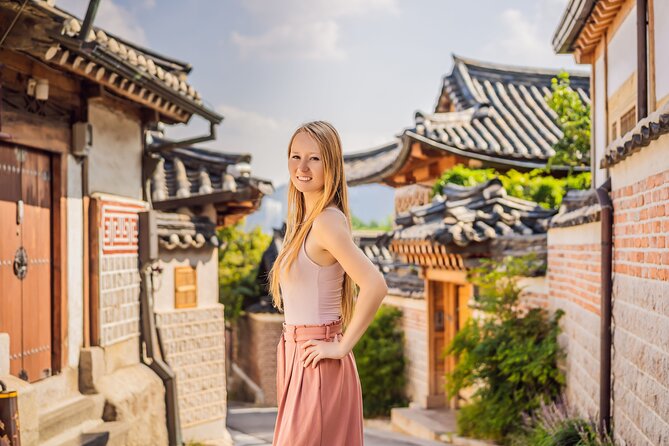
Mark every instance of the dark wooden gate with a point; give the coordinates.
(25, 260)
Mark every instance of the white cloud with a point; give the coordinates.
(111, 17)
(244, 120)
(304, 30)
(315, 41)
(525, 37)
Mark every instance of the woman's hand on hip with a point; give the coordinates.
(315, 350)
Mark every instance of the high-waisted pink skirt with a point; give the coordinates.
(319, 406)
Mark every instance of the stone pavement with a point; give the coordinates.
(254, 426)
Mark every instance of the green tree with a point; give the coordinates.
(508, 355)
(573, 118)
(238, 262)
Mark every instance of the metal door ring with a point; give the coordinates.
(21, 263)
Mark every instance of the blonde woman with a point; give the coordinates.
(312, 280)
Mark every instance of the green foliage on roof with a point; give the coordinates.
(535, 185)
(385, 225)
(573, 118)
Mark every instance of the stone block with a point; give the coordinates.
(4, 354)
(92, 367)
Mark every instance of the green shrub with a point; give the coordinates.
(510, 355)
(379, 356)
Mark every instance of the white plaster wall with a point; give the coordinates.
(622, 53)
(205, 261)
(661, 9)
(75, 256)
(599, 124)
(115, 161)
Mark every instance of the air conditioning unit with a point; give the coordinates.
(82, 138)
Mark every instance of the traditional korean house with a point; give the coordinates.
(195, 191)
(608, 264)
(78, 339)
(487, 115)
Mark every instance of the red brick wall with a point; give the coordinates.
(641, 301)
(256, 341)
(573, 276)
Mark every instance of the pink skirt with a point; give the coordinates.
(319, 406)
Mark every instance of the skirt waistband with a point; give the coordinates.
(299, 333)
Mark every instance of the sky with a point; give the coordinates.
(364, 65)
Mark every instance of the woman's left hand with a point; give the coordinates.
(315, 350)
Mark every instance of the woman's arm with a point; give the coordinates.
(331, 232)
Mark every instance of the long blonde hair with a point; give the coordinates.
(298, 224)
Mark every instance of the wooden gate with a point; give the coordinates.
(25, 260)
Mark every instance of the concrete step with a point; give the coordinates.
(92, 433)
(117, 434)
(76, 413)
(428, 424)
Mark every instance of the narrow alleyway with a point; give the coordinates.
(253, 426)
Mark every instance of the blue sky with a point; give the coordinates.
(364, 65)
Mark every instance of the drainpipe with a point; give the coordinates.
(154, 360)
(88, 20)
(642, 59)
(606, 304)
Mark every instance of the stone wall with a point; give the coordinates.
(255, 350)
(574, 258)
(640, 193)
(414, 325)
(194, 346)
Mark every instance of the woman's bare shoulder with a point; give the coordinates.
(329, 222)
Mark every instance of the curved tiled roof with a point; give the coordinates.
(578, 207)
(466, 216)
(371, 166)
(494, 113)
(123, 67)
(179, 231)
(499, 110)
(646, 131)
(194, 176)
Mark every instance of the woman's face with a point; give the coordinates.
(305, 164)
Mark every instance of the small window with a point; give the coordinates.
(185, 287)
(614, 131)
(628, 120)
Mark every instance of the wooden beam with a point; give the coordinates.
(59, 352)
(36, 131)
(94, 271)
(459, 277)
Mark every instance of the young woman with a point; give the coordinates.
(318, 388)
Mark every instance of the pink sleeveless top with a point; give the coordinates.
(311, 293)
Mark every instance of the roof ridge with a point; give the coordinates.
(469, 62)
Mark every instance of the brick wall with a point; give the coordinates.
(641, 297)
(573, 275)
(255, 350)
(414, 325)
(194, 344)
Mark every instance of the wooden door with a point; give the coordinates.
(449, 311)
(25, 260)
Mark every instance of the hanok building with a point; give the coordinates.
(608, 260)
(487, 115)
(77, 333)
